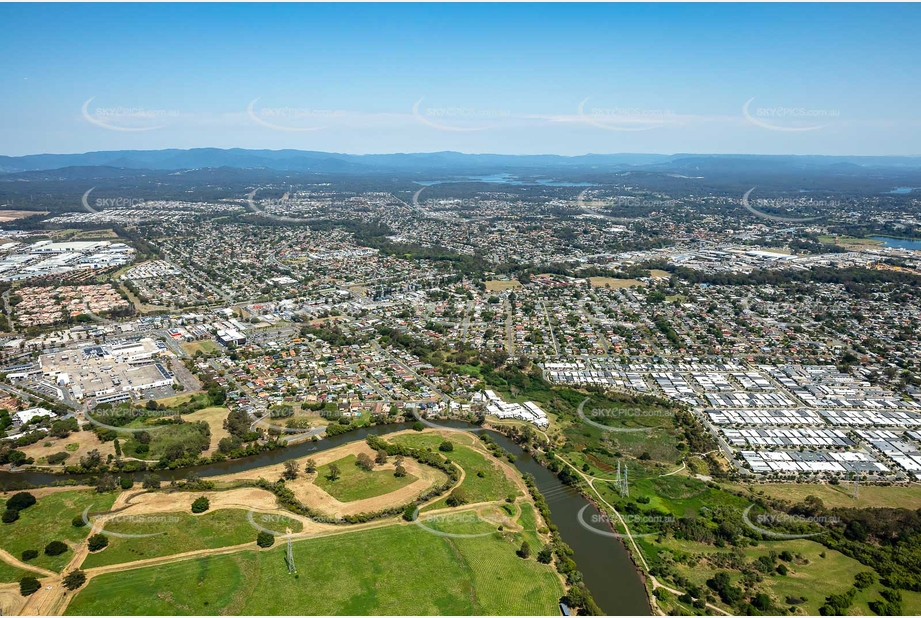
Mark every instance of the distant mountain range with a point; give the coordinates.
(448, 162)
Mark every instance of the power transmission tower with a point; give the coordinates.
(289, 557)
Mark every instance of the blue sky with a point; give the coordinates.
(515, 78)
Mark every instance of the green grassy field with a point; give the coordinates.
(397, 570)
(205, 346)
(492, 485)
(811, 577)
(358, 484)
(9, 573)
(908, 497)
(48, 520)
(182, 532)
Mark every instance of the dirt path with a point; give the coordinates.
(11, 602)
(12, 560)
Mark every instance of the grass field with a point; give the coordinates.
(48, 520)
(492, 485)
(852, 242)
(205, 346)
(358, 484)
(908, 497)
(182, 532)
(610, 282)
(9, 573)
(175, 400)
(396, 570)
(497, 285)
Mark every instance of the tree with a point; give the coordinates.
(525, 550)
(409, 512)
(126, 482)
(364, 462)
(201, 505)
(98, 542)
(381, 457)
(78, 521)
(118, 448)
(291, 469)
(446, 446)
(864, 579)
(74, 579)
(20, 501)
(761, 601)
(457, 498)
(399, 472)
(9, 516)
(333, 473)
(55, 548)
(310, 466)
(105, 483)
(28, 585)
(265, 539)
(545, 555)
(29, 554)
(418, 426)
(151, 481)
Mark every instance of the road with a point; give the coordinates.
(556, 346)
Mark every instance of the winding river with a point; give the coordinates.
(604, 562)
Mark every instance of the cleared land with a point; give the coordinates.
(908, 497)
(12, 215)
(852, 242)
(355, 483)
(215, 417)
(77, 444)
(497, 285)
(205, 346)
(611, 282)
(398, 569)
(314, 496)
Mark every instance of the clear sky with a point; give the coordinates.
(515, 78)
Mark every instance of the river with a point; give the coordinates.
(603, 560)
(899, 243)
